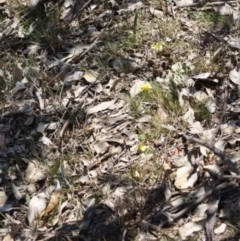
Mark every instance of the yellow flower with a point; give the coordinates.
(158, 46)
(146, 87)
(142, 147)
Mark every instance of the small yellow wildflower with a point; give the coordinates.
(158, 46)
(146, 87)
(142, 147)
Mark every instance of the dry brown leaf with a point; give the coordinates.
(16, 192)
(182, 175)
(3, 198)
(189, 228)
(220, 229)
(53, 202)
(156, 13)
(36, 206)
(90, 77)
(8, 238)
(33, 172)
(234, 76)
(100, 107)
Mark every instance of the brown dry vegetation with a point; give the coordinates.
(119, 120)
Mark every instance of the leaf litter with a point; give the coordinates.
(119, 120)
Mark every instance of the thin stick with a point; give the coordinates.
(223, 112)
(216, 151)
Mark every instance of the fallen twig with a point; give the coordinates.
(171, 218)
(223, 112)
(216, 151)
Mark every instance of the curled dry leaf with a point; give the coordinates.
(182, 175)
(36, 206)
(53, 202)
(46, 141)
(196, 128)
(234, 76)
(156, 13)
(220, 229)
(33, 172)
(189, 116)
(90, 77)
(189, 228)
(100, 147)
(3, 198)
(213, 169)
(100, 107)
(220, 144)
(16, 192)
(200, 212)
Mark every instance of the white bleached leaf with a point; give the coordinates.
(235, 41)
(1, 73)
(46, 141)
(189, 116)
(182, 175)
(77, 75)
(202, 76)
(211, 106)
(68, 3)
(180, 161)
(135, 6)
(16, 192)
(78, 90)
(36, 206)
(168, 127)
(189, 228)
(192, 179)
(220, 144)
(167, 193)
(119, 192)
(20, 86)
(84, 179)
(204, 150)
(183, 3)
(213, 169)
(196, 128)
(225, 9)
(200, 212)
(234, 76)
(156, 13)
(90, 77)
(201, 96)
(53, 126)
(208, 134)
(177, 201)
(220, 229)
(75, 51)
(100, 107)
(100, 147)
(41, 127)
(33, 172)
